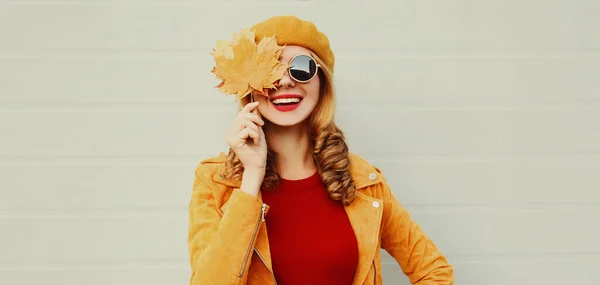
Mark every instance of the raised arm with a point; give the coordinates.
(220, 248)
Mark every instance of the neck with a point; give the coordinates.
(292, 149)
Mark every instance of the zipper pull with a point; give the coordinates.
(264, 207)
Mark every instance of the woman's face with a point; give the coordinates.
(283, 113)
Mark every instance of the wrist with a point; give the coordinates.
(252, 180)
(255, 171)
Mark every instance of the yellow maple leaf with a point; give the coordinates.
(223, 49)
(245, 66)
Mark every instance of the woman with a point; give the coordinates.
(289, 204)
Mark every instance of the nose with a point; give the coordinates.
(286, 80)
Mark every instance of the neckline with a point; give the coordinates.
(300, 179)
(306, 181)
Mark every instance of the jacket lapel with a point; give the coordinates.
(365, 214)
(365, 219)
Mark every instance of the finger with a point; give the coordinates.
(254, 118)
(250, 124)
(257, 113)
(243, 115)
(261, 134)
(238, 123)
(249, 133)
(249, 107)
(247, 121)
(236, 126)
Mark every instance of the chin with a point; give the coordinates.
(285, 119)
(286, 122)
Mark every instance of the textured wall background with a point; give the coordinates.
(484, 115)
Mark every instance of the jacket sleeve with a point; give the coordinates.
(220, 248)
(404, 239)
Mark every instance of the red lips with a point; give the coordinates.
(286, 107)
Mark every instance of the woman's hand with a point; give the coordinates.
(247, 139)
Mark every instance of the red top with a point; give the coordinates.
(310, 236)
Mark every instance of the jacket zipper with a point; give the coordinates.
(261, 258)
(261, 218)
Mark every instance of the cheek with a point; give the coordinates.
(262, 108)
(260, 98)
(262, 102)
(313, 90)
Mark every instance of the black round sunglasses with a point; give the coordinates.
(303, 68)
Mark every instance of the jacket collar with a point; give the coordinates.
(365, 214)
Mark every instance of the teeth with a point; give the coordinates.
(286, 100)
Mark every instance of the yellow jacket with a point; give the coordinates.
(228, 241)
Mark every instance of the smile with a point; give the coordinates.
(286, 103)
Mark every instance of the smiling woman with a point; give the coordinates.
(289, 204)
(293, 100)
(302, 68)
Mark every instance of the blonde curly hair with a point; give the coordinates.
(330, 151)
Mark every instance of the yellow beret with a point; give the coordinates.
(290, 30)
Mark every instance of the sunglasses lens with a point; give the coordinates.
(303, 68)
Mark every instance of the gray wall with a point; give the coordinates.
(483, 115)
